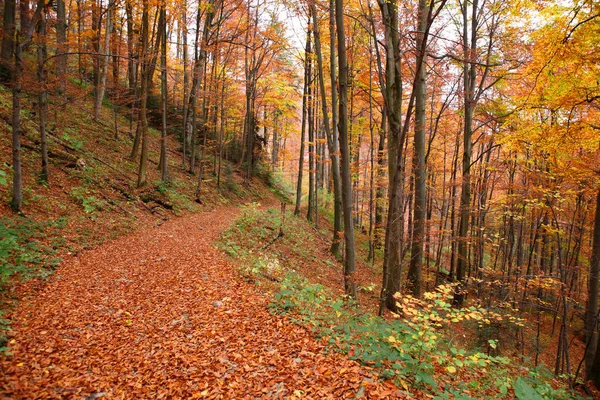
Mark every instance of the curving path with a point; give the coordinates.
(161, 314)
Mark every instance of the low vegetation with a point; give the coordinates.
(422, 349)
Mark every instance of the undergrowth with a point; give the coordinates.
(252, 235)
(21, 251)
(417, 349)
(22, 254)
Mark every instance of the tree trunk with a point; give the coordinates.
(186, 82)
(333, 140)
(61, 47)
(392, 93)
(310, 212)
(42, 97)
(350, 259)
(303, 128)
(131, 61)
(25, 16)
(144, 98)
(17, 195)
(275, 149)
(199, 65)
(163, 93)
(22, 39)
(592, 364)
(462, 261)
(103, 67)
(419, 166)
(8, 37)
(80, 29)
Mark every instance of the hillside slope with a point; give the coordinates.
(91, 196)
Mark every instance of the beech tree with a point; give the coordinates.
(22, 39)
(350, 252)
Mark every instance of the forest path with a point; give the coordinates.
(162, 314)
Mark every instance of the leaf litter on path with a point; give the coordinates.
(161, 314)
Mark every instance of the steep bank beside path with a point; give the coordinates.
(162, 314)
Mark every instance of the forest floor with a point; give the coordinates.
(111, 291)
(162, 314)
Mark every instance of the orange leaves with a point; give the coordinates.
(109, 327)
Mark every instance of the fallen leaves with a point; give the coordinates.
(183, 326)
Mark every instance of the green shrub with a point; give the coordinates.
(416, 351)
(89, 202)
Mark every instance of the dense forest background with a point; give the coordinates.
(450, 144)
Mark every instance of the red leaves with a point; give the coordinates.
(136, 319)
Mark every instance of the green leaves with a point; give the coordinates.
(525, 392)
(20, 252)
(88, 202)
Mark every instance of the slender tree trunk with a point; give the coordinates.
(380, 191)
(25, 16)
(371, 255)
(199, 67)
(163, 94)
(221, 128)
(143, 166)
(303, 128)
(592, 356)
(97, 16)
(81, 64)
(275, 148)
(193, 132)
(116, 70)
(131, 61)
(61, 47)
(43, 96)
(186, 83)
(350, 258)
(392, 93)
(419, 166)
(17, 195)
(333, 141)
(462, 261)
(103, 67)
(23, 38)
(8, 37)
(310, 213)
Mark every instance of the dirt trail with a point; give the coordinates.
(161, 314)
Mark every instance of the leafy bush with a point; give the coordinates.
(89, 202)
(416, 350)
